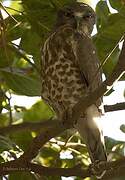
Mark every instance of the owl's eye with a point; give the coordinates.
(68, 14)
(88, 15)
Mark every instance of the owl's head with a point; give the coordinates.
(78, 15)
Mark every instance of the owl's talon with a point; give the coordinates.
(67, 118)
(64, 118)
(96, 168)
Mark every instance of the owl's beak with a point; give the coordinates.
(79, 19)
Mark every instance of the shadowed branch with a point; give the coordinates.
(42, 125)
(113, 169)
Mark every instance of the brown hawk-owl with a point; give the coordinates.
(69, 72)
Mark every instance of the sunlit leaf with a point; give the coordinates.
(16, 8)
(39, 111)
(49, 156)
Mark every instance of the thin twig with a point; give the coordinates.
(106, 59)
(3, 37)
(13, 9)
(21, 53)
(115, 107)
(113, 169)
(10, 109)
(110, 53)
(8, 12)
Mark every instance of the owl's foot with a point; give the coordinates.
(97, 168)
(67, 118)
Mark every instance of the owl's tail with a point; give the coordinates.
(90, 130)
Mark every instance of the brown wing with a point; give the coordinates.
(89, 66)
(88, 61)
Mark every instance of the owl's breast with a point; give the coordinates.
(62, 79)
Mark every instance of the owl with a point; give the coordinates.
(70, 70)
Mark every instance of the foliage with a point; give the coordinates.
(30, 22)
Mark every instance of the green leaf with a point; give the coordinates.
(4, 120)
(2, 98)
(1, 160)
(30, 43)
(42, 14)
(21, 176)
(124, 93)
(21, 84)
(104, 48)
(16, 7)
(115, 27)
(6, 56)
(48, 156)
(122, 128)
(102, 16)
(5, 144)
(22, 139)
(33, 114)
(107, 39)
(110, 143)
(15, 30)
(119, 5)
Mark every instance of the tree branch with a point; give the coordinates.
(113, 169)
(41, 139)
(16, 166)
(115, 107)
(44, 124)
(28, 126)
